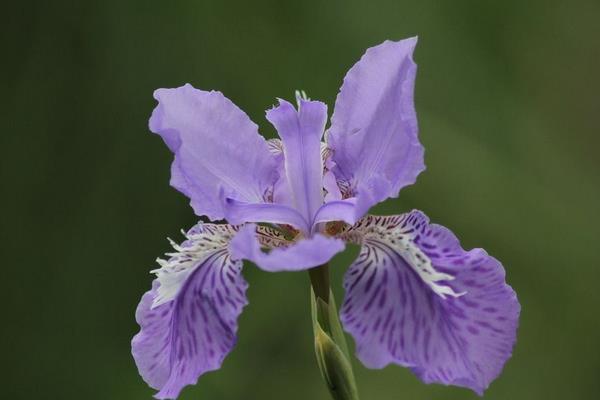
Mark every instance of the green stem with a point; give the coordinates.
(319, 279)
(330, 343)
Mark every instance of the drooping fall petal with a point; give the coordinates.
(415, 298)
(189, 318)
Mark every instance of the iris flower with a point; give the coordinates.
(413, 297)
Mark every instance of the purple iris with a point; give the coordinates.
(414, 297)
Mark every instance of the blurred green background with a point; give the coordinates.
(508, 102)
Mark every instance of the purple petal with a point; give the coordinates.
(301, 255)
(331, 186)
(352, 209)
(216, 147)
(189, 319)
(281, 189)
(415, 298)
(373, 131)
(301, 132)
(237, 212)
(337, 210)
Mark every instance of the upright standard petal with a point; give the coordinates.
(216, 146)
(189, 319)
(415, 298)
(283, 255)
(373, 131)
(301, 132)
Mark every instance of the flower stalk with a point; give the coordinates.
(331, 349)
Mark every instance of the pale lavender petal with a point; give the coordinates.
(237, 212)
(337, 210)
(330, 183)
(374, 125)
(303, 254)
(189, 319)
(301, 132)
(331, 187)
(215, 145)
(415, 298)
(281, 189)
(373, 191)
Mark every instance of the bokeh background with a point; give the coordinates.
(508, 102)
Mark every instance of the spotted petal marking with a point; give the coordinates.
(189, 319)
(396, 316)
